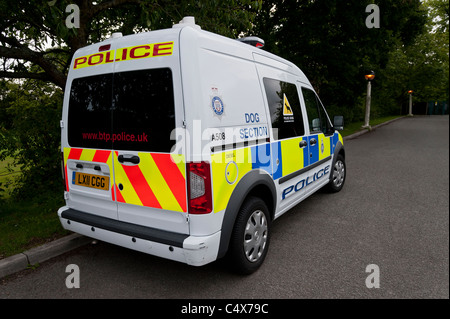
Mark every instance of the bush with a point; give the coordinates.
(30, 134)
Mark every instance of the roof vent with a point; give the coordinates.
(187, 21)
(116, 35)
(253, 41)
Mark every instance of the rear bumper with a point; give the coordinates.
(192, 250)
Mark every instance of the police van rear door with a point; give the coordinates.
(122, 103)
(86, 128)
(150, 179)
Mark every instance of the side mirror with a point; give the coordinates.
(338, 122)
(315, 124)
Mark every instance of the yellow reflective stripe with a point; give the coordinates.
(87, 155)
(222, 190)
(157, 183)
(292, 155)
(66, 154)
(322, 139)
(340, 138)
(128, 193)
(181, 163)
(109, 162)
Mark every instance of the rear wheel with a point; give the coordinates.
(251, 235)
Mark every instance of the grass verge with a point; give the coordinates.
(354, 127)
(26, 224)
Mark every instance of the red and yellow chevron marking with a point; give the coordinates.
(89, 155)
(158, 181)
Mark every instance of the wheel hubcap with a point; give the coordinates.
(255, 236)
(338, 174)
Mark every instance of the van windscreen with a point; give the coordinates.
(131, 110)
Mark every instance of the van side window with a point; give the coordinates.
(284, 107)
(318, 119)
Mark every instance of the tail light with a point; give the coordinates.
(199, 188)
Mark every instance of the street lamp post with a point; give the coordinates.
(410, 102)
(369, 77)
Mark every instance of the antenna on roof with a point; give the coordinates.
(187, 21)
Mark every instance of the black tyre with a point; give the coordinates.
(339, 172)
(251, 236)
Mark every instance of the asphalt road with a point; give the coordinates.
(393, 213)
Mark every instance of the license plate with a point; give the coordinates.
(91, 180)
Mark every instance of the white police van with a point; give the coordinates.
(186, 145)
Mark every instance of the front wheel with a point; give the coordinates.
(339, 172)
(251, 235)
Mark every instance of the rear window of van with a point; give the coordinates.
(131, 110)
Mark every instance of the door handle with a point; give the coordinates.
(303, 144)
(130, 159)
(312, 142)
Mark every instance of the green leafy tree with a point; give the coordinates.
(29, 133)
(421, 66)
(34, 33)
(330, 41)
(36, 48)
(439, 15)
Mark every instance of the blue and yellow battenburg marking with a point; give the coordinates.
(278, 159)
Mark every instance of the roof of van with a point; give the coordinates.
(259, 55)
(209, 40)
